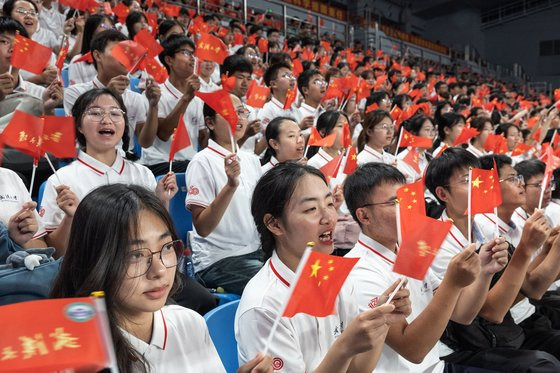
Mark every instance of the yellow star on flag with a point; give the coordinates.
(315, 267)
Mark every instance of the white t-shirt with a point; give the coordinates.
(136, 104)
(87, 173)
(371, 276)
(275, 108)
(80, 72)
(236, 233)
(180, 343)
(159, 151)
(320, 159)
(301, 342)
(371, 155)
(13, 195)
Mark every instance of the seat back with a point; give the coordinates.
(182, 218)
(220, 325)
(134, 84)
(65, 77)
(40, 195)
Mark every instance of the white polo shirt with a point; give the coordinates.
(30, 88)
(87, 173)
(474, 151)
(437, 151)
(552, 212)
(522, 309)
(249, 144)
(46, 37)
(236, 233)
(136, 104)
(301, 342)
(208, 87)
(159, 151)
(407, 170)
(371, 276)
(52, 19)
(320, 159)
(269, 165)
(275, 108)
(80, 72)
(180, 343)
(371, 155)
(13, 194)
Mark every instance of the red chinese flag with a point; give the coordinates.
(411, 198)
(351, 161)
(326, 45)
(170, 10)
(62, 53)
(346, 136)
(556, 95)
(155, 69)
(408, 139)
(396, 113)
(372, 107)
(412, 158)
(85, 58)
(315, 139)
(121, 11)
(146, 39)
(263, 45)
(465, 135)
(485, 191)
(420, 76)
(290, 98)
(421, 240)
(24, 133)
(552, 163)
(129, 53)
(211, 48)
(228, 82)
(331, 168)
(220, 102)
(237, 38)
(532, 121)
(364, 90)
(66, 334)
(307, 55)
(332, 92)
(297, 67)
(180, 139)
(107, 9)
(152, 22)
(59, 136)
(29, 55)
(257, 95)
(519, 149)
(320, 279)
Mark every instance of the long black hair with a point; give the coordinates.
(325, 124)
(82, 104)
(92, 23)
(272, 194)
(105, 223)
(131, 19)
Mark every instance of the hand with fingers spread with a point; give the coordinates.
(233, 170)
(463, 268)
(494, 256)
(167, 187)
(66, 200)
(260, 364)
(23, 224)
(119, 84)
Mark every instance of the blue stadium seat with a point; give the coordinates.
(65, 78)
(220, 325)
(40, 195)
(224, 298)
(134, 84)
(182, 218)
(59, 112)
(137, 148)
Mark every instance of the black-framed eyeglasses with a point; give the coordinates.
(138, 262)
(391, 202)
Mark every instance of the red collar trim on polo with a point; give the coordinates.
(170, 91)
(375, 252)
(493, 222)
(522, 217)
(217, 151)
(372, 153)
(284, 281)
(99, 171)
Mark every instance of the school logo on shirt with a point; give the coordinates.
(373, 303)
(277, 363)
(8, 197)
(338, 329)
(193, 190)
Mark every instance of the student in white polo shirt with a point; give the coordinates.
(494, 340)
(292, 205)
(285, 143)
(412, 343)
(449, 127)
(376, 135)
(226, 249)
(476, 145)
(331, 121)
(18, 213)
(141, 110)
(124, 242)
(418, 125)
(177, 100)
(101, 124)
(312, 85)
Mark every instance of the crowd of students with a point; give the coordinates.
(259, 194)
